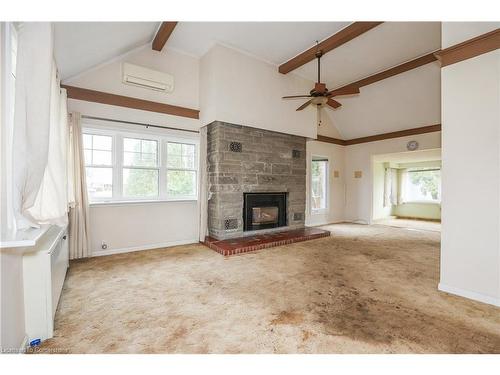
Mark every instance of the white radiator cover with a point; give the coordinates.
(44, 272)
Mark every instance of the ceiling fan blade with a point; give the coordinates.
(344, 91)
(333, 103)
(303, 105)
(297, 96)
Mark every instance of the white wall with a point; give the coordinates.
(247, 91)
(107, 78)
(336, 191)
(360, 158)
(137, 226)
(470, 249)
(457, 32)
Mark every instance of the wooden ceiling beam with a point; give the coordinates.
(409, 65)
(470, 48)
(162, 35)
(380, 137)
(128, 102)
(345, 35)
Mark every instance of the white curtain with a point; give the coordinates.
(394, 186)
(403, 173)
(387, 186)
(391, 187)
(203, 194)
(79, 240)
(31, 116)
(51, 203)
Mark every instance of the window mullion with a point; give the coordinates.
(118, 167)
(162, 160)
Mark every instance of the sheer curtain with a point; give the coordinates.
(79, 240)
(203, 195)
(31, 117)
(51, 203)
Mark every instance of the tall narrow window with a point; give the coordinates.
(319, 183)
(181, 170)
(140, 168)
(98, 151)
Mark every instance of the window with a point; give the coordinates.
(98, 150)
(422, 185)
(138, 166)
(181, 173)
(319, 183)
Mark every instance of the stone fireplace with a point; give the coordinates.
(256, 180)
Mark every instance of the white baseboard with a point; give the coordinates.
(323, 223)
(469, 294)
(144, 247)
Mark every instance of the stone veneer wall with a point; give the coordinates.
(267, 162)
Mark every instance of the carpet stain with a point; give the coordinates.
(288, 317)
(365, 289)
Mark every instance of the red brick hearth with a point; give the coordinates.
(263, 241)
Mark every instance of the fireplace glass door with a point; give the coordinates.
(264, 215)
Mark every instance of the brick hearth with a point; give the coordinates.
(263, 241)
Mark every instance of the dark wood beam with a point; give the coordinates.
(409, 65)
(397, 134)
(128, 102)
(350, 32)
(163, 34)
(335, 141)
(470, 48)
(381, 137)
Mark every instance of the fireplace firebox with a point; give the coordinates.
(264, 210)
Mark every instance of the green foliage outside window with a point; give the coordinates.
(428, 181)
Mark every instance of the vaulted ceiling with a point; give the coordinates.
(404, 101)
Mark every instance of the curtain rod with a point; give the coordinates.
(138, 123)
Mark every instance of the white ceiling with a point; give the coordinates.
(408, 100)
(79, 46)
(383, 47)
(274, 42)
(82, 45)
(405, 101)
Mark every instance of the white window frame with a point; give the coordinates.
(159, 135)
(183, 169)
(320, 211)
(422, 201)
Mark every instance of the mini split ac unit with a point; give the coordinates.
(147, 78)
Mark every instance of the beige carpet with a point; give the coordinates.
(366, 289)
(434, 226)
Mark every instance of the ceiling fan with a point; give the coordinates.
(320, 96)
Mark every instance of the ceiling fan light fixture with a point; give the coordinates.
(319, 100)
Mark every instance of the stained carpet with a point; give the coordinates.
(366, 289)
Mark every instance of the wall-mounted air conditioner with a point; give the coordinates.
(147, 78)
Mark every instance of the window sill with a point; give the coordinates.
(139, 202)
(321, 211)
(438, 203)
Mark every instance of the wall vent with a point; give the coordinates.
(298, 216)
(230, 224)
(236, 147)
(296, 154)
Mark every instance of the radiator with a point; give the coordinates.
(44, 271)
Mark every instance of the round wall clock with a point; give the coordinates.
(412, 145)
